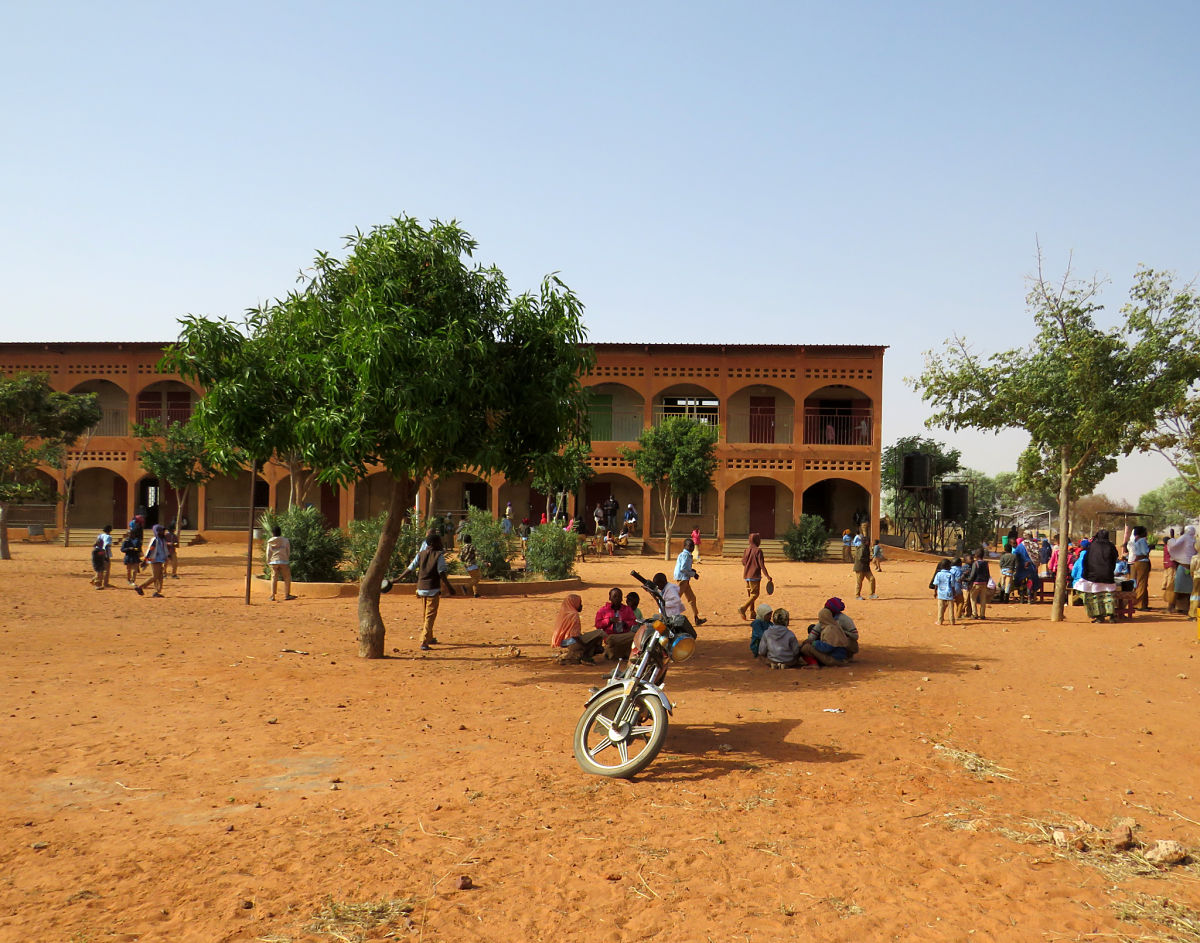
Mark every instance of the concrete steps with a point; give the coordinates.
(736, 546)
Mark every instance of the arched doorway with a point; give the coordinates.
(99, 498)
(760, 506)
(225, 505)
(837, 501)
(114, 406)
(167, 401)
(320, 495)
(624, 492)
(838, 415)
(156, 500)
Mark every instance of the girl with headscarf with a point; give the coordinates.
(156, 555)
(833, 640)
(1182, 549)
(568, 635)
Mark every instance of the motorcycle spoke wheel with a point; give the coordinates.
(598, 752)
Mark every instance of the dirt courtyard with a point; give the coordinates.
(190, 768)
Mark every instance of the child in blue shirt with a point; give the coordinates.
(945, 584)
(762, 622)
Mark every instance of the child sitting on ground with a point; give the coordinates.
(762, 622)
(779, 644)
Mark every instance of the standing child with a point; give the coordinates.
(469, 558)
(102, 557)
(131, 547)
(279, 559)
(943, 582)
(156, 556)
(877, 556)
(696, 541)
(173, 551)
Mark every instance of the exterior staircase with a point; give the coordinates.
(85, 536)
(736, 546)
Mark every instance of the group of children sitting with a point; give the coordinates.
(831, 641)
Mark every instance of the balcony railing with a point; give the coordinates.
(766, 427)
(617, 425)
(710, 416)
(825, 429)
(231, 518)
(164, 414)
(113, 422)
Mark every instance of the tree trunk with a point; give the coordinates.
(370, 621)
(68, 487)
(180, 499)
(670, 510)
(4, 551)
(250, 532)
(1062, 577)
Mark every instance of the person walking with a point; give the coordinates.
(430, 567)
(754, 567)
(684, 574)
(157, 555)
(846, 546)
(102, 558)
(1140, 551)
(862, 570)
(696, 542)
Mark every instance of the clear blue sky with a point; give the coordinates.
(782, 172)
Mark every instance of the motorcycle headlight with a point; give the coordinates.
(682, 648)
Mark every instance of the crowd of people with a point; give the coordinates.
(1110, 581)
(161, 554)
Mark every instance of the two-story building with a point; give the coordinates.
(798, 432)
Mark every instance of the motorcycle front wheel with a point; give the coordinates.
(619, 747)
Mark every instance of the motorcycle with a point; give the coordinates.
(624, 721)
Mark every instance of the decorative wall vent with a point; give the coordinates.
(836, 464)
(759, 464)
(761, 373)
(617, 370)
(109, 369)
(702, 373)
(839, 373)
(97, 455)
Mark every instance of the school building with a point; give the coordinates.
(798, 430)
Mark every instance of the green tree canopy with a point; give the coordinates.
(1096, 391)
(177, 454)
(676, 457)
(402, 354)
(37, 423)
(1171, 504)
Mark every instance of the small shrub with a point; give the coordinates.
(806, 539)
(492, 548)
(364, 539)
(551, 552)
(317, 551)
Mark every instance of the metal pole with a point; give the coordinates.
(250, 530)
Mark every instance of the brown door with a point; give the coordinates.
(762, 419)
(762, 511)
(120, 503)
(331, 510)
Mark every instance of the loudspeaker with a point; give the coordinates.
(916, 471)
(954, 502)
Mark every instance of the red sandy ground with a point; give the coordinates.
(173, 773)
